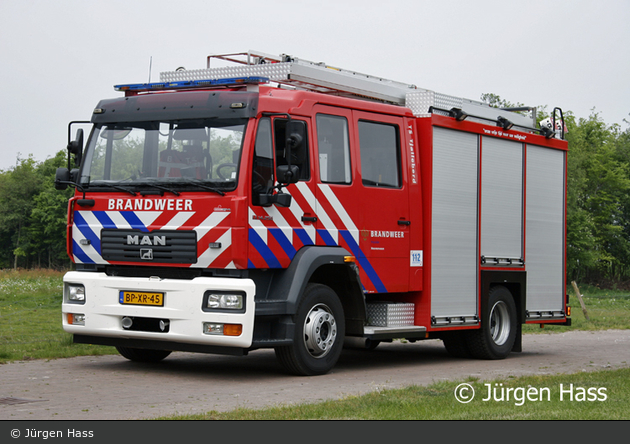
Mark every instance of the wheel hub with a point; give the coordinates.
(320, 331)
(499, 323)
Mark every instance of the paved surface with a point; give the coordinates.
(110, 387)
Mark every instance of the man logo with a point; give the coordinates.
(146, 240)
(146, 254)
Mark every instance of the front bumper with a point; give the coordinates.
(182, 310)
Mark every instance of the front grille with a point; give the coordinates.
(165, 246)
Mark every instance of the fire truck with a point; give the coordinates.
(274, 202)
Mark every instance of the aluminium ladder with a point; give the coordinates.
(319, 77)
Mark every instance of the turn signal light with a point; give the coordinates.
(232, 329)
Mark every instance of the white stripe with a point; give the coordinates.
(298, 212)
(88, 250)
(341, 211)
(211, 222)
(147, 217)
(326, 221)
(208, 256)
(258, 226)
(119, 221)
(177, 221)
(280, 222)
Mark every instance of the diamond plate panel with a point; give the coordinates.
(390, 314)
(273, 71)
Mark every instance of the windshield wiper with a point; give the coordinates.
(118, 187)
(199, 184)
(160, 187)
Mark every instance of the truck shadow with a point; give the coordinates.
(263, 363)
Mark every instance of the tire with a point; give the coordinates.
(143, 354)
(497, 335)
(319, 333)
(456, 344)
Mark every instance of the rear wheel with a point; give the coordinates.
(497, 335)
(319, 333)
(143, 354)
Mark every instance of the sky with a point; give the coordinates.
(59, 58)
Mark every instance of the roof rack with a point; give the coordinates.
(320, 77)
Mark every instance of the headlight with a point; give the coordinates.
(220, 301)
(75, 293)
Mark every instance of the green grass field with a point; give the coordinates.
(30, 328)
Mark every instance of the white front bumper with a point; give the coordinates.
(182, 308)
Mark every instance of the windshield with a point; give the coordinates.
(184, 153)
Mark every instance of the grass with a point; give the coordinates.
(609, 400)
(606, 309)
(30, 318)
(30, 328)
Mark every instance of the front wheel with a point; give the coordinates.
(497, 335)
(319, 333)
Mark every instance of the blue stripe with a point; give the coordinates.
(133, 220)
(327, 238)
(86, 231)
(364, 263)
(303, 236)
(104, 219)
(287, 246)
(263, 249)
(80, 254)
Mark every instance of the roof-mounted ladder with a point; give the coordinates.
(319, 77)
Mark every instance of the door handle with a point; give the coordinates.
(404, 222)
(309, 219)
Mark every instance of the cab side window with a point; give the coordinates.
(334, 149)
(380, 154)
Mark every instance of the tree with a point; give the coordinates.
(32, 222)
(17, 190)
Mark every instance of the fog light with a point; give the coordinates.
(76, 319)
(212, 329)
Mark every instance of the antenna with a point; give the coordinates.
(150, 65)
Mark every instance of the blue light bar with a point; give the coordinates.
(186, 84)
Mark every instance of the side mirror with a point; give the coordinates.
(75, 148)
(62, 178)
(65, 177)
(287, 174)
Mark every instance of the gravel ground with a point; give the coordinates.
(112, 388)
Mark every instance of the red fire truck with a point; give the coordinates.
(273, 202)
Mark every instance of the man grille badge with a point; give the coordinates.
(146, 254)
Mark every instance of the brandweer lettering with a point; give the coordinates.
(150, 204)
(397, 234)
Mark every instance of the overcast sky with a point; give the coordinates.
(60, 57)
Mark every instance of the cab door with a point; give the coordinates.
(360, 198)
(384, 220)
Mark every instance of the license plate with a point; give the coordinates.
(142, 298)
